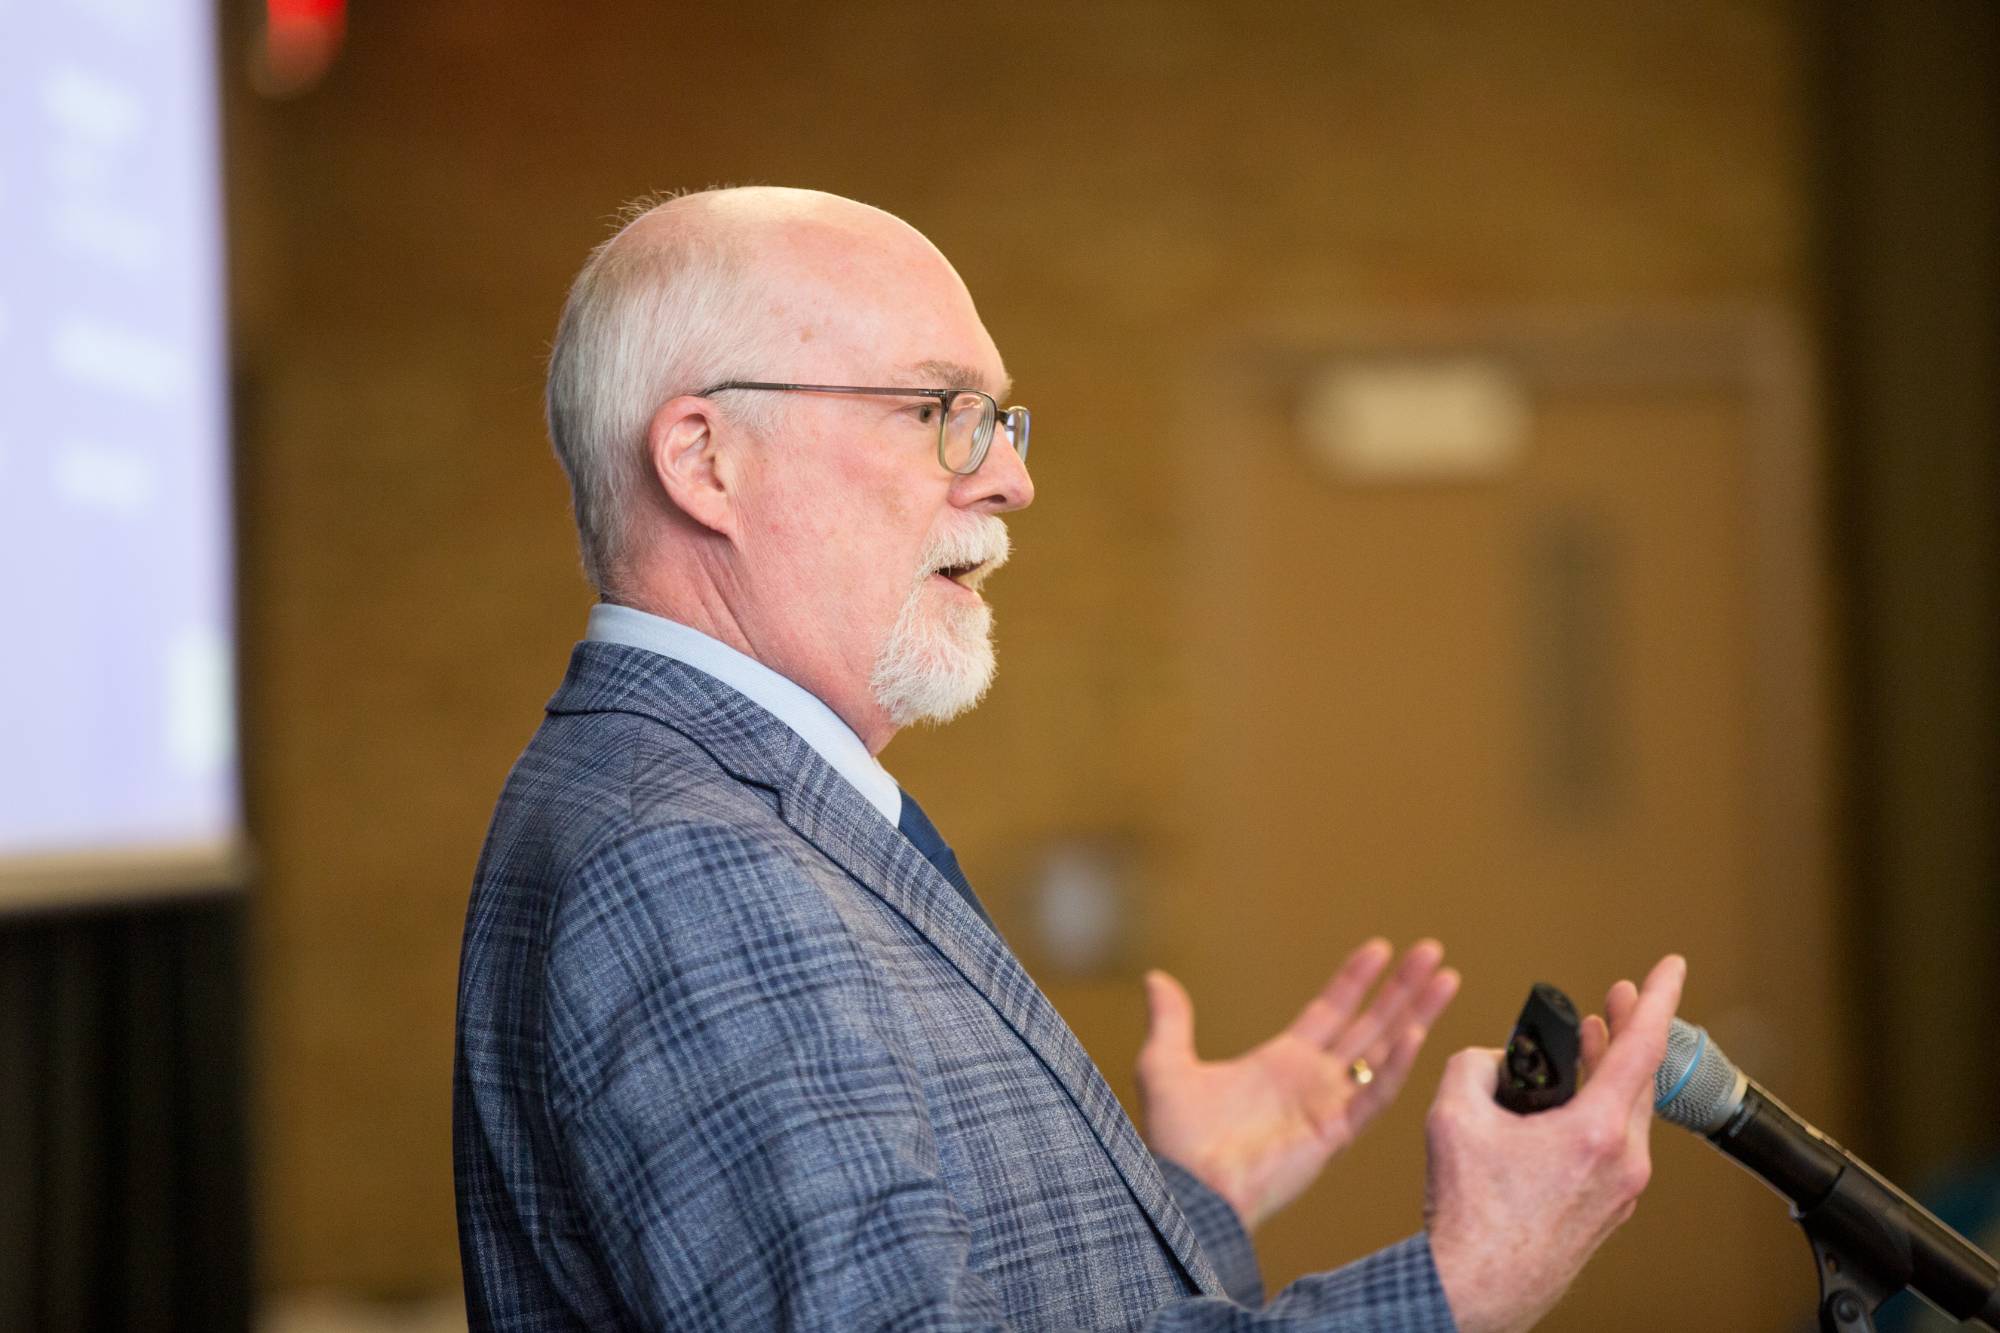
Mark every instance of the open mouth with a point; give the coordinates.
(965, 576)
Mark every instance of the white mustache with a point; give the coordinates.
(982, 543)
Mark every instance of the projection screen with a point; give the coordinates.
(118, 755)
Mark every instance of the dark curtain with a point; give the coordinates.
(123, 1191)
(1908, 185)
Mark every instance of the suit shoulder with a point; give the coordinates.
(645, 831)
(589, 779)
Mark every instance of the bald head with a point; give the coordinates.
(741, 283)
(765, 214)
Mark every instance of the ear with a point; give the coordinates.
(687, 458)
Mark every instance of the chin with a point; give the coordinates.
(935, 664)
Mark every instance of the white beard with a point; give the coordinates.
(937, 660)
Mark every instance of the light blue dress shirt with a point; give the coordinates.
(789, 702)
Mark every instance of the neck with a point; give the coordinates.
(705, 605)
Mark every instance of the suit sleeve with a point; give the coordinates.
(1219, 1230)
(739, 1113)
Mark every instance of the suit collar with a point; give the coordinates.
(791, 703)
(822, 807)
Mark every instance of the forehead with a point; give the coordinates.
(934, 373)
(887, 307)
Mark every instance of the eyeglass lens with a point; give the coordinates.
(968, 430)
(1017, 430)
(968, 426)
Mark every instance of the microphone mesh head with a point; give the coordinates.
(1695, 1087)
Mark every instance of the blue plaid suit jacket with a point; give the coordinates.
(733, 1055)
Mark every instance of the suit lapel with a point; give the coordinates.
(828, 812)
(834, 818)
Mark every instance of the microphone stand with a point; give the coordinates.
(1848, 1297)
(1861, 1261)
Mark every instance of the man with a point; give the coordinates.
(738, 1047)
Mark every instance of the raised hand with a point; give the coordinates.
(1516, 1203)
(1259, 1128)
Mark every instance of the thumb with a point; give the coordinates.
(1169, 1019)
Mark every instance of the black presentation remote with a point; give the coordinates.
(1540, 1067)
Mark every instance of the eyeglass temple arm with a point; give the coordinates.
(899, 390)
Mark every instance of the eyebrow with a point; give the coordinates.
(956, 375)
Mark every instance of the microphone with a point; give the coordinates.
(1838, 1198)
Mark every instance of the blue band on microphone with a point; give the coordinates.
(1686, 1074)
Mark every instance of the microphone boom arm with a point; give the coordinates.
(1869, 1239)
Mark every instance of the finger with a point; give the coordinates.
(1625, 1073)
(1391, 1072)
(1421, 1015)
(1386, 1010)
(1473, 1074)
(1639, 1116)
(1595, 1037)
(1618, 1005)
(1169, 1022)
(1328, 1012)
(1393, 1066)
(1437, 994)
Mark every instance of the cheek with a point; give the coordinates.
(827, 488)
(847, 525)
(862, 523)
(790, 519)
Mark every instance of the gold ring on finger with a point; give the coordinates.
(1361, 1072)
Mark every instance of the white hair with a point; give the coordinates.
(651, 316)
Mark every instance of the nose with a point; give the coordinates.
(1001, 483)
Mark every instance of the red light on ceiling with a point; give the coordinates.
(305, 10)
(297, 46)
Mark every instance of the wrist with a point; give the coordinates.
(1222, 1182)
(1469, 1288)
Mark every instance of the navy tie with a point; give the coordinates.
(917, 827)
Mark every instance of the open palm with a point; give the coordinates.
(1259, 1128)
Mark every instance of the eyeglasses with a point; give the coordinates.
(966, 418)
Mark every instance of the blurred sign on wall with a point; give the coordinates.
(1416, 419)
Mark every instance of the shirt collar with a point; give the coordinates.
(786, 700)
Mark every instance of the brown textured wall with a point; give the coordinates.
(1115, 181)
